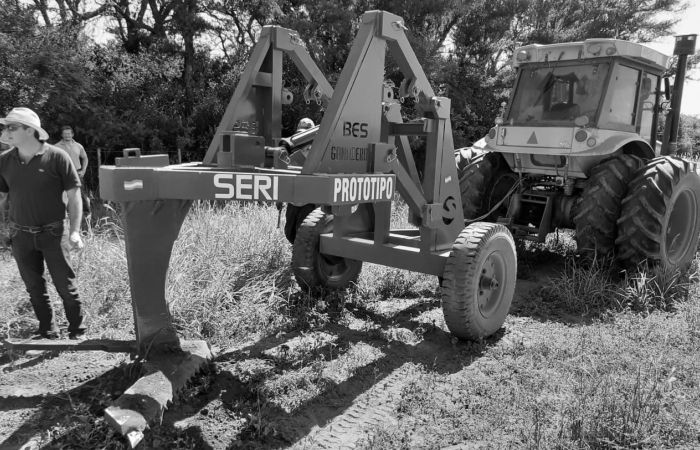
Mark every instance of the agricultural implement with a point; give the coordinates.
(576, 147)
(359, 158)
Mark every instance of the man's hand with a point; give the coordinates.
(76, 241)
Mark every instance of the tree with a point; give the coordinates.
(139, 23)
(237, 23)
(187, 23)
(68, 12)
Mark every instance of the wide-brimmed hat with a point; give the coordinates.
(27, 117)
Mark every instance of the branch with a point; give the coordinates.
(62, 10)
(43, 9)
(448, 28)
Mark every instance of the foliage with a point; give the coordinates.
(689, 134)
(164, 79)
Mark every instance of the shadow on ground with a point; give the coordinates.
(73, 418)
(262, 424)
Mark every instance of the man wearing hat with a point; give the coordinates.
(35, 175)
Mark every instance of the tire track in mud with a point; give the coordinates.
(375, 407)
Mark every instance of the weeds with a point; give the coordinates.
(628, 382)
(654, 289)
(594, 288)
(582, 289)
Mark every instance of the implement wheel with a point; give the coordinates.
(484, 182)
(294, 217)
(479, 280)
(659, 221)
(314, 270)
(601, 201)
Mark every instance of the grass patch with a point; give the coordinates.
(596, 288)
(628, 377)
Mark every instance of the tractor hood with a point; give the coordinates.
(564, 141)
(544, 140)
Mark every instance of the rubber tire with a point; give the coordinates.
(663, 199)
(294, 216)
(478, 246)
(311, 268)
(476, 184)
(600, 205)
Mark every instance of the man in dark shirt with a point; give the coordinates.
(35, 175)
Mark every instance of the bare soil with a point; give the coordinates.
(329, 388)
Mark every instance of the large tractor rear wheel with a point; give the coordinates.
(601, 201)
(313, 269)
(483, 183)
(479, 280)
(660, 220)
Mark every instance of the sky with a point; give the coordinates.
(689, 24)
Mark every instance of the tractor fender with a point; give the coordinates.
(630, 145)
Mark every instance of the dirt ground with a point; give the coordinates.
(55, 400)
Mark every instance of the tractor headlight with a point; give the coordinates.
(591, 142)
(594, 49)
(522, 56)
(581, 136)
(492, 133)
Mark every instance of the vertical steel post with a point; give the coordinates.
(685, 45)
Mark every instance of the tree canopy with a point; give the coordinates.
(162, 71)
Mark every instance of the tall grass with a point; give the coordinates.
(596, 287)
(229, 273)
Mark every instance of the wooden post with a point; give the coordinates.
(99, 157)
(179, 155)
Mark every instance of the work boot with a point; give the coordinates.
(78, 335)
(51, 334)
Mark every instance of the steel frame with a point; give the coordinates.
(361, 142)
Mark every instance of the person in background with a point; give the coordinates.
(295, 214)
(80, 160)
(305, 124)
(35, 175)
(299, 157)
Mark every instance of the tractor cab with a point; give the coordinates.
(575, 147)
(581, 98)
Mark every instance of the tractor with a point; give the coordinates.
(576, 147)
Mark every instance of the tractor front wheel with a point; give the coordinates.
(660, 220)
(314, 270)
(479, 280)
(483, 183)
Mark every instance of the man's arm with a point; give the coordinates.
(75, 215)
(83, 161)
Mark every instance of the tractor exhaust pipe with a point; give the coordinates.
(685, 45)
